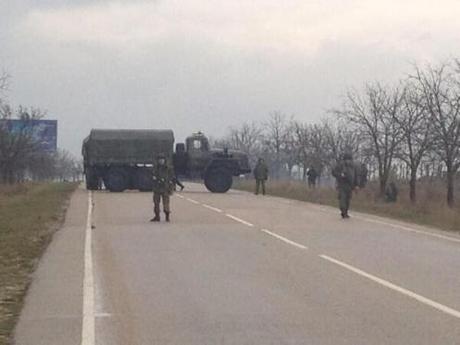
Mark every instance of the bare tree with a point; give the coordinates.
(301, 139)
(440, 88)
(276, 129)
(340, 138)
(4, 79)
(372, 114)
(16, 147)
(416, 129)
(246, 138)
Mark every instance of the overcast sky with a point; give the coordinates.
(206, 65)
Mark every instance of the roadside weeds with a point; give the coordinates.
(430, 210)
(29, 216)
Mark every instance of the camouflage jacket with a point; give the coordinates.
(261, 171)
(345, 175)
(163, 179)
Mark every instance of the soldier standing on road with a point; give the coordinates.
(346, 177)
(261, 175)
(163, 185)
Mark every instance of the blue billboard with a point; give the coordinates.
(44, 132)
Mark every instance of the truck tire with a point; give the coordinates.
(218, 180)
(116, 180)
(92, 181)
(143, 180)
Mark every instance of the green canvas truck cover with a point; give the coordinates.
(126, 146)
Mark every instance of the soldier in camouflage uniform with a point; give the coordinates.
(347, 180)
(261, 175)
(163, 185)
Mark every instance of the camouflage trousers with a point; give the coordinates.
(260, 183)
(157, 198)
(344, 199)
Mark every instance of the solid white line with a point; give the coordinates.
(239, 220)
(406, 228)
(88, 333)
(213, 208)
(193, 201)
(397, 288)
(284, 239)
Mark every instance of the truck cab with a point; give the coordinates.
(197, 160)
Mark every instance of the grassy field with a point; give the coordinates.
(29, 215)
(431, 208)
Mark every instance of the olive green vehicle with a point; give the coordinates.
(123, 159)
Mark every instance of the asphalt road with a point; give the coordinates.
(240, 269)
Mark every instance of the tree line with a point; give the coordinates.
(409, 130)
(21, 157)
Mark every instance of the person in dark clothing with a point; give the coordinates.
(391, 192)
(312, 176)
(261, 175)
(163, 186)
(346, 177)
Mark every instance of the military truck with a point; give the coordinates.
(123, 159)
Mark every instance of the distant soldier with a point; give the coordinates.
(346, 177)
(261, 175)
(312, 176)
(163, 186)
(391, 192)
(362, 172)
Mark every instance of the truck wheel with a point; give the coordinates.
(92, 180)
(116, 180)
(144, 180)
(218, 181)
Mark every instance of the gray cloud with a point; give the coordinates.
(106, 64)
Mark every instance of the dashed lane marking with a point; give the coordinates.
(413, 295)
(284, 239)
(193, 201)
(88, 333)
(239, 220)
(212, 208)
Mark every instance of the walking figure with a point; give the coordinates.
(346, 177)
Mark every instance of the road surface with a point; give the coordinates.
(240, 269)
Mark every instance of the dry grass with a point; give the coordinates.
(29, 215)
(431, 208)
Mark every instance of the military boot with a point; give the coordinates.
(167, 216)
(156, 218)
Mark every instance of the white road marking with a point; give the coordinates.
(213, 208)
(239, 220)
(284, 239)
(101, 315)
(88, 333)
(180, 196)
(406, 228)
(193, 201)
(394, 287)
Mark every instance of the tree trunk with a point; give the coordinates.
(412, 185)
(450, 187)
(383, 185)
